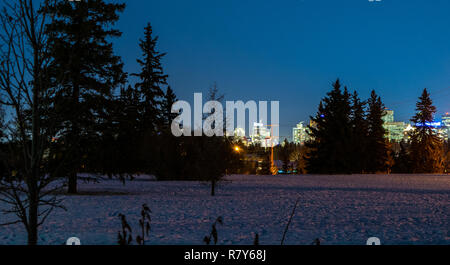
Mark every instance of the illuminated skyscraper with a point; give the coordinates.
(446, 119)
(300, 134)
(388, 116)
(395, 131)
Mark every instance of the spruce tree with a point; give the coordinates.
(151, 80)
(330, 152)
(377, 148)
(426, 148)
(358, 134)
(85, 72)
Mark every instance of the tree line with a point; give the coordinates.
(349, 137)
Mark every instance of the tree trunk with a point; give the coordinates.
(75, 135)
(72, 185)
(33, 208)
(33, 181)
(33, 220)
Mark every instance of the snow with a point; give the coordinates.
(398, 209)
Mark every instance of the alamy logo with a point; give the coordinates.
(211, 120)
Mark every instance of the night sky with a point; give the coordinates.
(291, 50)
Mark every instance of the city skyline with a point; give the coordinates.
(396, 130)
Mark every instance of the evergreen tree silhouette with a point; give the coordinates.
(358, 135)
(151, 79)
(377, 148)
(330, 152)
(426, 148)
(85, 72)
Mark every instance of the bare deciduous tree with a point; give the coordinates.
(28, 187)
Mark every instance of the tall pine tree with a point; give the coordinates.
(151, 80)
(149, 87)
(358, 135)
(426, 148)
(86, 72)
(377, 148)
(330, 151)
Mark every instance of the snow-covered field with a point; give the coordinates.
(399, 209)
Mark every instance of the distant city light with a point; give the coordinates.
(434, 124)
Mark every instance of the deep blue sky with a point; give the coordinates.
(291, 50)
